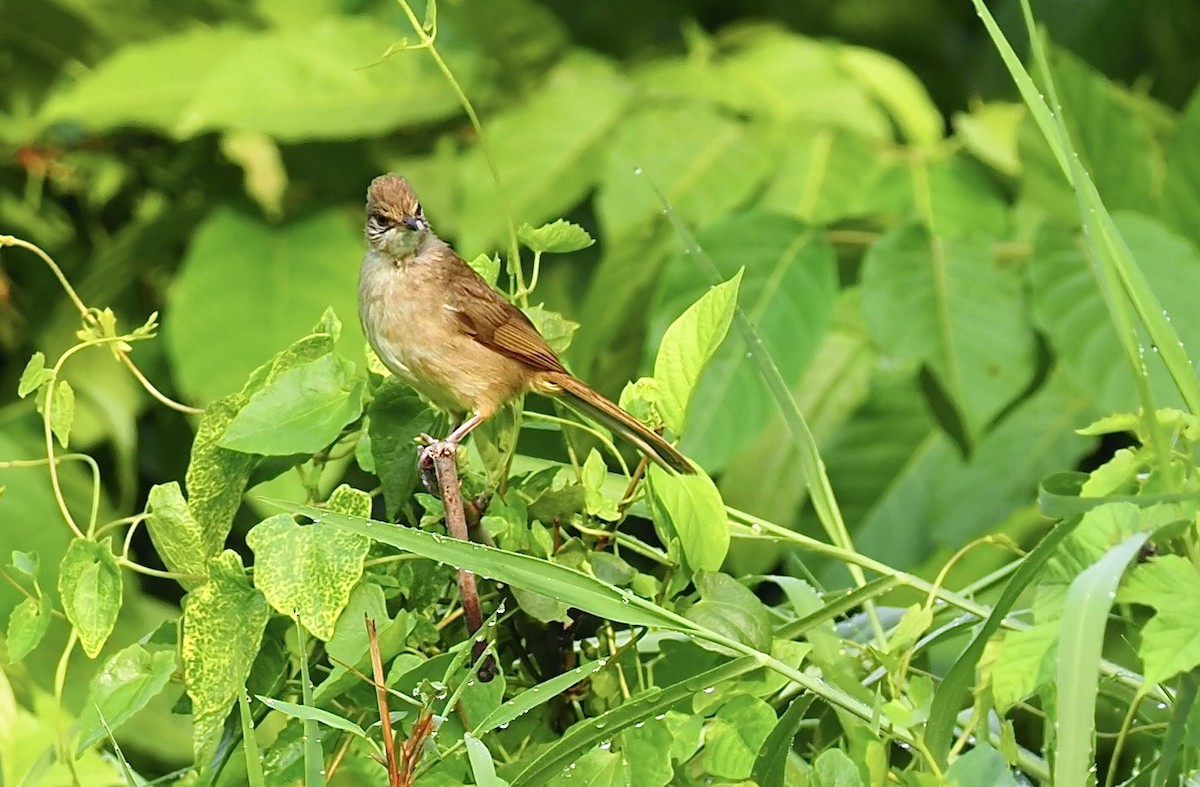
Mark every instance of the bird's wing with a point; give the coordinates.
(495, 323)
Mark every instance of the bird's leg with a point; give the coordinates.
(449, 445)
(463, 429)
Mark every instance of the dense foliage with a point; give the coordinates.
(933, 358)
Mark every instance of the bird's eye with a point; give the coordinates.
(377, 221)
(419, 211)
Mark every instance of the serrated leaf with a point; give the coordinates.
(731, 608)
(487, 266)
(734, 735)
(559, 237)
(301, 411)
(1170, 641)
(89, 585)
(177, 536)
(306, 572)
(689, 507)
(223, 623)
(35, 375)
(62, 411)
(554, 328)
(125, 685)
(26, 626)
(688, 345)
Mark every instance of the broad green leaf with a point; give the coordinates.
(223, 623)
(833, 768)
(948, 304)
(301, 411)
(124, 686)
(35, 375)
(898, 90)
(176, 535)
(240, 271)
(216, 477)
(397, 417)
(731, 608)
(263, 176)
(554, 328)
(546, 165)
(989, 132)
(1170, 641)
(1081, 642)
(1181, 184)
(62, 411)
(647, 746)
(559, 237)
(306, 572)
(1068, 306)
(787, 290)
(313, 714)
(487, 266)
(314, 81)
(686, 348)
(89, 586)
(733, 737)
(27, 563)
(689, 507)
(26, 626)
(981, 765)
(595, 501)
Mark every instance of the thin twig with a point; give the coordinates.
(385, 716)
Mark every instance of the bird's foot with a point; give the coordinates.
(426, 462)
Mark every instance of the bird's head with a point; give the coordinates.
(395, 222)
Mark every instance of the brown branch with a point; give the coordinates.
(385, 716)
(441, 455)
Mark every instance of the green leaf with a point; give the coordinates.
(981, 765)
(216, 477)
(1181, 184)
(1170, 641)
(313, 714)
(314, 81)
(62, 411)
(770, 766)
(1081, 642)
(946, 303)
(898, 90)
(397, 417)
(554, 328)
(487, 266)
(559, 237)
(348, 500)
(26, 562)
(687, 346)
(547, 166)
(834, 769)
(89, 585)
(205, 330)
(306, 572)
(482, 766)
(26, 626)
(301, 411)
(180, 541)
(731, 608)
(125, 685)
(734, 736)
(223, 623)
(596, 502)
(689, 507)
(787, 290)
(35, 375)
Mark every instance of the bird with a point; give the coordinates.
(439, 326)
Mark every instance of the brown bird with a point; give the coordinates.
(437, 325)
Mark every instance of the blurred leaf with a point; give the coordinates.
(1068, 306)
(687, 346)
(89, 585)
(487, 266)
(596, 502)
(397, 417)
(898, 90)
(787, 290)
(981, 765)
(312, 82)
(731, 608)
(1181, 185)
(223, 623)
(128, 682)
(559, 237)
(26, 626)
(1170, 642)
(827, 174)
(306, 572)
(27, 563)
(733, 737)
(178, 538)
(947, 303)
(989, 132)
(689, 507)
(241, 272)
(546, 165)
(35, 375)
(554, 328)
(301, 411)
(833, 768)
(263, 174)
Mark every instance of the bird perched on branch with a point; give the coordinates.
(437, 325)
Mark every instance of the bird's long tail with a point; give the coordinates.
(579, 395)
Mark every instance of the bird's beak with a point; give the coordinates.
(414, 223)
